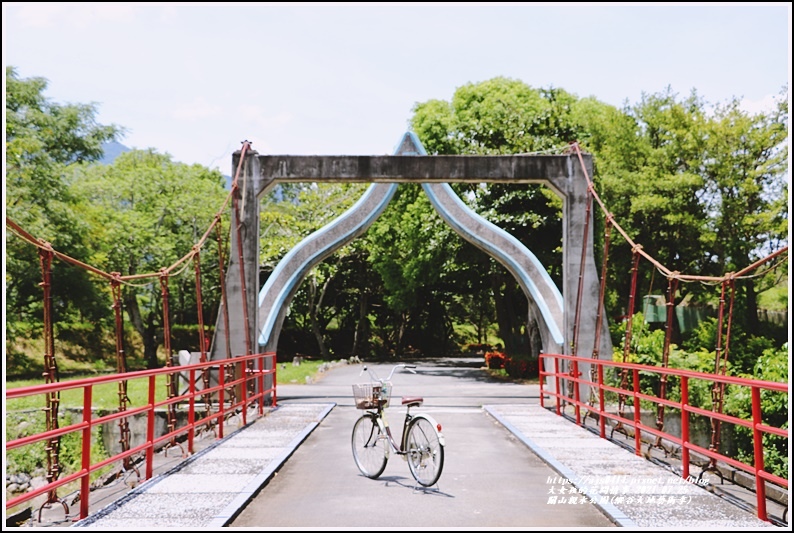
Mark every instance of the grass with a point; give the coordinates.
(776, 298)
(106, 396)
(288, 374)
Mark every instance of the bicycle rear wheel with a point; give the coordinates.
(370, 447)
(425, 452)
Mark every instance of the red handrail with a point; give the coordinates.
(755, 424)
(151, 440)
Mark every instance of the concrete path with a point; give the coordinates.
(634, 492)
(209, 488)
(490, 479)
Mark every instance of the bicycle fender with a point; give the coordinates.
(435, 425)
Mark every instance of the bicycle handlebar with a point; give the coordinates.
(374, 376)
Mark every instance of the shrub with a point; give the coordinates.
(495, 360)
(515, 367)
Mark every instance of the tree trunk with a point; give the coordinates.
(535, 341)
(362, 326)
(398, 342)
(511, 310)
(146, 331)
(751, 298)
(313, 307)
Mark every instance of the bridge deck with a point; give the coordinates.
(630, 490)
(633, 491)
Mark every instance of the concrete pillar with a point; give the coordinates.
(573, 190)
(250, 183)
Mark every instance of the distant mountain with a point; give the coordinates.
(114, 149)
(111, 151)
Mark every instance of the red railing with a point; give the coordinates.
(755, 424)
(239, 366)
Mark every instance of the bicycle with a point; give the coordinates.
(422, 443)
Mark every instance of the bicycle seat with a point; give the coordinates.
(413, 401)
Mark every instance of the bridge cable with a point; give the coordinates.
(624, 372)
(53, 445)
(121, 368)
(594, 369)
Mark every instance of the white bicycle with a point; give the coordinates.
(422, 443)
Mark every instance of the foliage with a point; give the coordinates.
(745, 172)
(521, 368)
(776, 297)
(497, 116)
(514, 367)
(672, 171)
(138, 218)
(743, 350)
(32, 458)
(700, 187)
(504, 116)
(412, 250)
(25, 416)
(42, 139)
(666, 167)
(336, 288)
(771, 364)
(125, 218)
(478, 347)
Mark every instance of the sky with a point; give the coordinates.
(195, 80)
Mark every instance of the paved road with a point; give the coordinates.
(490, 478)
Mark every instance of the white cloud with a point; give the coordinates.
(763, 105)
(77, 15)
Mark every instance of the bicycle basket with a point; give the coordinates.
(369, 395)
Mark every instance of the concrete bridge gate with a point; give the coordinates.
(553, 312)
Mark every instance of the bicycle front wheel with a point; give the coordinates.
(370, 447)
(425, 452)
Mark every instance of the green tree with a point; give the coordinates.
(651, 179)
(505, 116)
(288, 215)
(745, 169)
(147, 212)
(773, 366)
(43, 139)
(413, 252)
(701, 188)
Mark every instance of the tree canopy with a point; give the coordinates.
(701, 187)
(42, 139)
(146, 212)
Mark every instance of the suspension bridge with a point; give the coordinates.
(233, 376)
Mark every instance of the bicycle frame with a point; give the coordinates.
(383, 423)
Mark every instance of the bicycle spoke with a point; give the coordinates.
(425, 453)
(369, 447)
